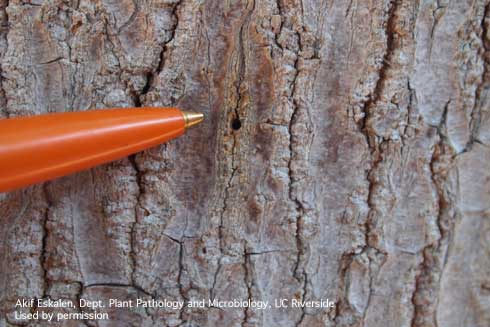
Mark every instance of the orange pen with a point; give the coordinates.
(40, 148)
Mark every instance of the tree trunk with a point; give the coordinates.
(344, 156)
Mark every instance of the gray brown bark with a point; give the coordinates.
(345, 155)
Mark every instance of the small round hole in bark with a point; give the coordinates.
(236, 124)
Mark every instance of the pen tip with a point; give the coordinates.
(192, 118)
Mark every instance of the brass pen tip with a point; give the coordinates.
(192, 118)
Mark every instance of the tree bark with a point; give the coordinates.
(344, 155)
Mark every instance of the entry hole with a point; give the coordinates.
(236, 124)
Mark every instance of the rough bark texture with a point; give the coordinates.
(345, 155)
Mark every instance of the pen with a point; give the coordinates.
(40, 148)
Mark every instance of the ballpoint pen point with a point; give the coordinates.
(192, 118)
